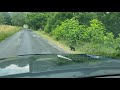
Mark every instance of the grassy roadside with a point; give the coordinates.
(61, 43)
(7, 30)
(82, 48)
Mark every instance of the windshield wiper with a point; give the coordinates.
(60, 56)
(18, 55)
(7, 58)
(27, 55)
(3, 58)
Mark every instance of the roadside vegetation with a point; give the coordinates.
(7, 30)
(10, 23)
(89, 32)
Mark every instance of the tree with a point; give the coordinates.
(85, 17)
(55, 19)
(111, 21)
(68, 30)
(96, 31)
(7, 18)
(2, 20)
(18, 18)
(36, 20)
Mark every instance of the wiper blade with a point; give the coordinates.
(64, 57)
(7, 57)
(24, 55)
(3, 58)
(29, 54)
(40, 54)
(17, 56)
(58, 55)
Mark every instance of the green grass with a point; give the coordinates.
(83, 47)
(7, 30)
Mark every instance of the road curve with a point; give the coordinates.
(27, 42)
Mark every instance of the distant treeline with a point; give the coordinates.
(48, 21)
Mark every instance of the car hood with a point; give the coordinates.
(44, 63)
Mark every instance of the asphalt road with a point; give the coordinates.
(27, 42)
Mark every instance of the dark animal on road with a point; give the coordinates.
(72, 48)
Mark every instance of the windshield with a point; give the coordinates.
(36, 42)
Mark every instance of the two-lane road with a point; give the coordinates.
(27, 42)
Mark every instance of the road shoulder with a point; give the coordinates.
(54, 43)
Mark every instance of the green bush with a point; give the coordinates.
(67, 30)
